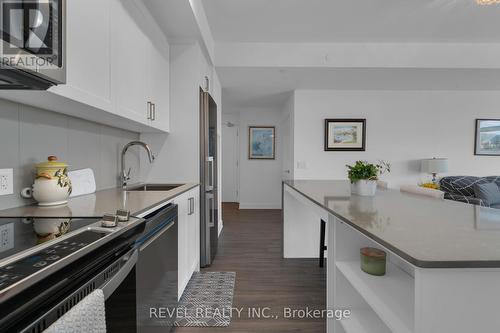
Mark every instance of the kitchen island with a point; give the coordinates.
(443, 263)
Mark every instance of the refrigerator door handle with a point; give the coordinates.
(212, 214)
(210, 165)
(210, 209)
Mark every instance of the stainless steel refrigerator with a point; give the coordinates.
(209, 224)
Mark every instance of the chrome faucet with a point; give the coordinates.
(125, 175)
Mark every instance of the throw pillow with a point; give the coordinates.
(489, 193)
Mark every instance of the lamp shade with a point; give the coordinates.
(435, 165)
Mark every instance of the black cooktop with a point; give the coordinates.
(19, 234)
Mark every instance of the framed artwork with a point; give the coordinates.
(487, 141)
(345, 134)
(261, 142)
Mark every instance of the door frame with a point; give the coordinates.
(235, 161)
(286, 145)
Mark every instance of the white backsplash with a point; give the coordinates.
(28, 135)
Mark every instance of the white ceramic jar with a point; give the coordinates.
(52, 185)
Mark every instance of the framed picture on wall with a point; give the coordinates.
(487, 137)
(345, 134)
(261, 142)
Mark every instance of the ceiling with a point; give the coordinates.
(270, 87)
(352, 21)
(335, 21)
(175, 18)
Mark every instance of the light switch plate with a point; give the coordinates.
(6, 181)
(301, 165)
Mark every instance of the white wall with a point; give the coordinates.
(403, 127)
(260, 180)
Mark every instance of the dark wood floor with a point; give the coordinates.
(251, 246)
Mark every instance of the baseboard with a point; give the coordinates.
(303, 256)
(260, 205)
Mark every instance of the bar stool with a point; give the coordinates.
(322, 246)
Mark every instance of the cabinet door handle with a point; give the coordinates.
(148, 111)
(153, 107)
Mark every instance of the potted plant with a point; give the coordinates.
(364, 176)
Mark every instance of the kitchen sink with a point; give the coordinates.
(154, 187)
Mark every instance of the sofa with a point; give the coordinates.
(463, 189)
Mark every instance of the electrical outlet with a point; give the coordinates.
(6, 237)
(6, 181)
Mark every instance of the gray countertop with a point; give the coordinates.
(426, 232)
(100, 203)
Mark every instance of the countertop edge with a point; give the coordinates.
(161, 203)
(160, 198)
(416, 262)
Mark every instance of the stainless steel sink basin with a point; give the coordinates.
(154, 187)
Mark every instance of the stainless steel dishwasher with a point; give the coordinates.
(156, 272)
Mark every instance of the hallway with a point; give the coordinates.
(250, 245)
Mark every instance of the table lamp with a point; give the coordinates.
(434, 166)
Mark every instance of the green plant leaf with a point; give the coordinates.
(362, 170)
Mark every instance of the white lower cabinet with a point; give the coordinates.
(189, 236)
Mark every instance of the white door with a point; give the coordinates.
(286, 146)
(230, 163)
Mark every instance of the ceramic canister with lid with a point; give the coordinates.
(52, 185)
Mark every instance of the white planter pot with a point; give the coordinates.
(366, 188)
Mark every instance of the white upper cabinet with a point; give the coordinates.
(159, 84)
(140, 66)
(117, 68)
(87, 54)
(129, 65)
